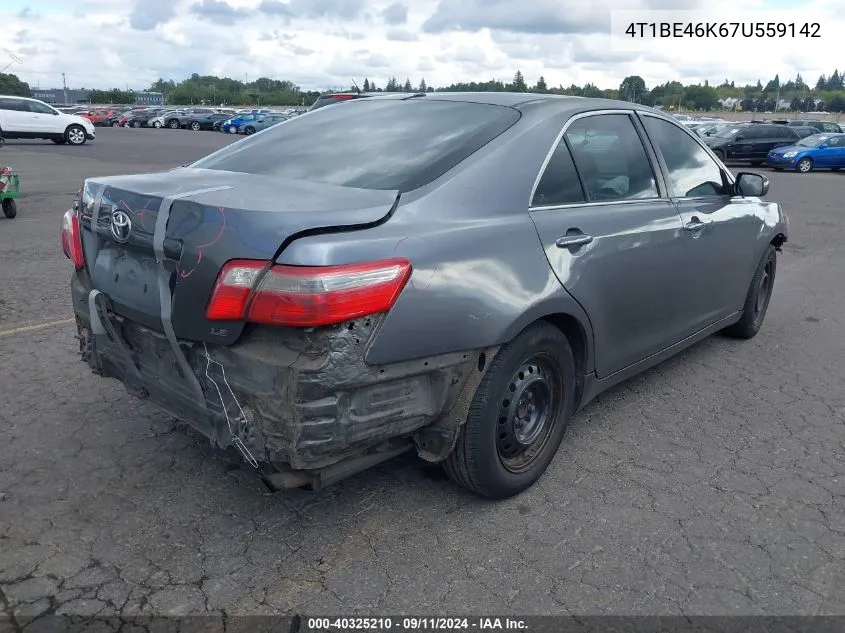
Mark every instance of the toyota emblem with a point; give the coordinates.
(121, 226)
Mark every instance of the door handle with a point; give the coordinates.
(694, 225)
(576, 239)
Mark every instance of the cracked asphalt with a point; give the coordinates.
(713, 484)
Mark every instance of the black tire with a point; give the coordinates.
(195, 126)
(173, 124)
(756, 163)
(136, 124)
(10, 209)
(778, 168)
(75, 135)
(59, 141)
(757, 299)
(249, 130)
(486, 454)
(115, 124)
(804, 166)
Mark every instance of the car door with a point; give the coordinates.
(720, 230)
(829, 153)
(15, 116)
(612, 239)
(43, 119)
(837, 160)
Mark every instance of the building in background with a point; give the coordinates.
(149, 98)
(57, 95)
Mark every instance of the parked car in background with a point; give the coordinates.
(820, 126)
(750, 141)
(231, 126)
(101, 118)
(819, 151)
(262, 122)
(205, 121)
(161, 120)
(183, 118)
(22, 117)
(804, 131)
(298, 323)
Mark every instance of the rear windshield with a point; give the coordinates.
(369, 143)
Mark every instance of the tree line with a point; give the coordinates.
(827, 93)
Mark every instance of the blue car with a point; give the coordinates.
(231, 126)
(819, 151)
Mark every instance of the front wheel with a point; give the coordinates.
(758, 297)
(805, 165)
(115, 124)
(518, 416)
(249, 130)
(10, 209)
(75, 135)
(157, 125)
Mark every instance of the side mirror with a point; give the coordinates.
(823, 146)
(753, 185)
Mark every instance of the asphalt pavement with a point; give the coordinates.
(712, 484)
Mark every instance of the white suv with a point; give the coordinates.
(21, 117)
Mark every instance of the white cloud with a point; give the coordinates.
(326, 43)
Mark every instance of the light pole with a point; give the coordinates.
(15, 60)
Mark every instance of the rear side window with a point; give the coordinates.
(16, 105)
(559, 183)
(369, 143)
(611, 159)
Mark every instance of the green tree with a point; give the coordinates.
(633, 89)
(700, 97)
(519, 84)
(796, 105)
(392, 85)
(366, 85)
(12, 85)
(407, 87)
(836, 104)
(423, 86)
(541, 85)
(834, 83)
(821, 84)
(773, 85)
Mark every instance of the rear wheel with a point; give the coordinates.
(115, 124)
(518, 415)
(758, 297)
(137, 124)
(173, 124)
(195, 126)
(249, 130)
(75, 135)
(10, 209)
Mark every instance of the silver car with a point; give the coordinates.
(453, 274)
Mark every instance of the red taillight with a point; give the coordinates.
(342, 97)
(72, 239)
(306, 296)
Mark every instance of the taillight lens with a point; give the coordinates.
(306, 296)
(72, 239)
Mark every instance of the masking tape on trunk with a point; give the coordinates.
(166, 296)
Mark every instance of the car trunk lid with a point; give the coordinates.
(161, 239)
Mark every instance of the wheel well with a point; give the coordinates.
(778, 240)
(577, 337)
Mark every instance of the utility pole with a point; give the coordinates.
(64, 87)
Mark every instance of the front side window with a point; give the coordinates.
(40, 108)
(691, 170)
(610, 158)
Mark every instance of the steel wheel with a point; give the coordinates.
(195, 126)
(805, 165)
(75, 135)
(528, 411)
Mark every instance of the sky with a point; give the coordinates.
(325, 44)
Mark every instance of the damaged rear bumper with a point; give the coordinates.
(290, 399)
